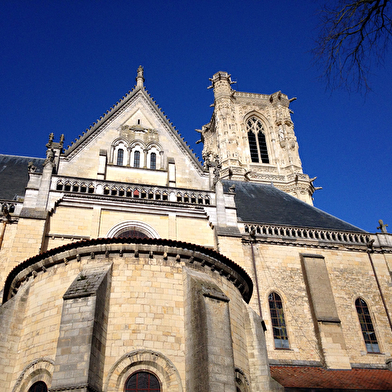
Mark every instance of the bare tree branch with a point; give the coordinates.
(354, 37)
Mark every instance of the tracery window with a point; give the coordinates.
(136, 159)
(120, 157)
(153, 160)
(278, 322)
(256, 138)
(142, 381)
(367, 328)
(39, 386)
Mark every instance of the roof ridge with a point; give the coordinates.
(19, 156)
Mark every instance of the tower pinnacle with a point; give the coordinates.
(140, 77)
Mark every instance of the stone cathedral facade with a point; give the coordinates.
(127, 265)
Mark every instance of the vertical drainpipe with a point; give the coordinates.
(252, 236)
(370, 249)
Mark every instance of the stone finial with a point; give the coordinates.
(140, 76)
(382, 227)
(50, 142)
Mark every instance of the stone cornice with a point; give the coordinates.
(105, 249)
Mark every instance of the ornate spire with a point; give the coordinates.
(140, 77)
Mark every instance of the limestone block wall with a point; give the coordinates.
(75, 336)
(69, 223)
(350, 275)
(22, 239)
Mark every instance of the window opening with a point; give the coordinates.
(131, 233)
(91, 189)
(157, 196)
(142, 381)
(106, 190)
(75, 188)
(39, 386)
(257, 145)
(278, 322)
(83, 188)
(150, 195)
(114, 192)
(121, 192)
(59, 186)
(186, 198)
(367, 328)
(164, 196)
(67, 187)
(136, 159)
(144, 194)
(120, 157)
(153, 160)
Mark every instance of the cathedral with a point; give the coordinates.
(129, 265)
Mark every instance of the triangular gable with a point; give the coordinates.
(138, 93)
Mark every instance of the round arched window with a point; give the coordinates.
(39, 386)
(142, 381)
(131, 233)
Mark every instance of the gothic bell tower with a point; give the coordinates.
(251, 138)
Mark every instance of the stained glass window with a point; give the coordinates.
(278, 322)
(368, 332)
(142, 381)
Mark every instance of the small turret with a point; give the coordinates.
(221, 83)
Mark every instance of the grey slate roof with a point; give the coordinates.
(14, 175)
(265, 204)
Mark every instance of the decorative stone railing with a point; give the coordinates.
(295, 233)
(133, 191)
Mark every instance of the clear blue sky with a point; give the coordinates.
(64, 63)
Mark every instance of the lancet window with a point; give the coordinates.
(257, 144)
(153, 160)
(136, 159)
(367, 328)
(120, 157)
(281, 339)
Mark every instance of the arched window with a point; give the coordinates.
(136, 159)
(257, 144)
(367, 326)
(39, 386)
(131, 233)
(153, 160)
(278, 322)
(120, 157)
(142, 381)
